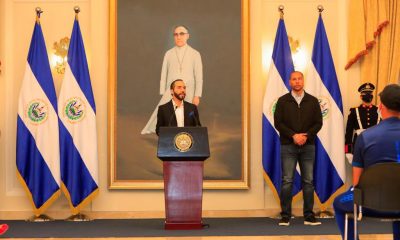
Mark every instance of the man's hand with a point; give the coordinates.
(196, 100)
(299, 138)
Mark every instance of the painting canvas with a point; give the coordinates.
(141, 31)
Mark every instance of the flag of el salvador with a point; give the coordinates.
(37, 150)
(78, 134)
(277, 85)
(322, 82)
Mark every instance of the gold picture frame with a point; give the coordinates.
(120, 123)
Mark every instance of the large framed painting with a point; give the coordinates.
(141, 31)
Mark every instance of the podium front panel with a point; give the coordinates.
(183, 191)
(169, 151)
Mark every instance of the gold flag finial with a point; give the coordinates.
(38, 12)
(77, 9)
(320, 8)
(280, 8)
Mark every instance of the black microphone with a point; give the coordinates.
(191, 114)
(172, 116)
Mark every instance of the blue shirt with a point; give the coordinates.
(380, 143)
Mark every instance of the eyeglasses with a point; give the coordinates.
(179, 34)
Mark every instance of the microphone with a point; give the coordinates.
(172, 116)
(191, 114)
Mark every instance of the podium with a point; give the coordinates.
(183, 151)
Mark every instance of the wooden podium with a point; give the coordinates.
(183, 150)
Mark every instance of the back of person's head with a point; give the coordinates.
(390, 97)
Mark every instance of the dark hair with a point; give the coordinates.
(176, 26)
(390, 97)
(296, 72)
(173, 83)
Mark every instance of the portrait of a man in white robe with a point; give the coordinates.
(180, 62)
(200, 42)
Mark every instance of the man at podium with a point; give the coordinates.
(183, 147)
(177, 112)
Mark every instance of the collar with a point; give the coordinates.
(175, 105)
(366, 106)
(297, 96)
(182, 48)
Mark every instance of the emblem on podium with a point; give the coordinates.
(183, 141)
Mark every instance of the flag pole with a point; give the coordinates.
(323, 213)
(41, 217)
(79, 217)
(281, 9)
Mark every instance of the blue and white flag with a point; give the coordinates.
(38, 155)
(277, 85)
(78, 136)
(329, 170)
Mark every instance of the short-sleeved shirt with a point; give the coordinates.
(380, 143)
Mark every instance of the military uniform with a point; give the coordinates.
(360, 118)
(368, 117)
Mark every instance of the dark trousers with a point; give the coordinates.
(344, 204)
(305, 156)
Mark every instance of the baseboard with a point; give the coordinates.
(21, 215)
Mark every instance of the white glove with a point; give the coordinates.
(349, 157)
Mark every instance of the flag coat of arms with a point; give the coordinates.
(277, 85)
(38, 155)
(78, 135)
(329, 169)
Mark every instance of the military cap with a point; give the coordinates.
(390, 97)
(366, 87)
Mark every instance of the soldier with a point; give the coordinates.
(360, 118)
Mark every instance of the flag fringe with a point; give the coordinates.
(87, 200)
(272, 187)
(296, 197)
(37, 211)
(324, 206)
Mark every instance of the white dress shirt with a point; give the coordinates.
(180, 118)
(298, 98)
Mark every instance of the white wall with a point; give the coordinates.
(16, 25)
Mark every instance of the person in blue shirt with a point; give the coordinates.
(380, 143)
